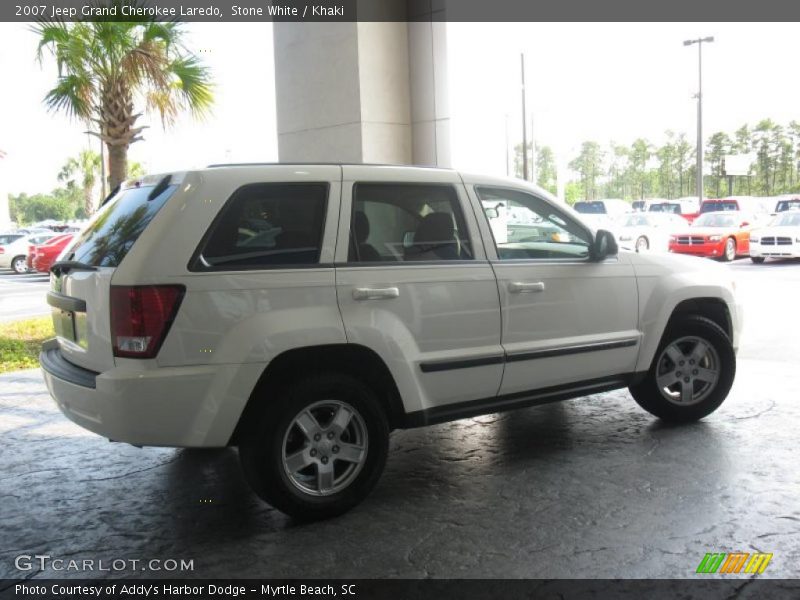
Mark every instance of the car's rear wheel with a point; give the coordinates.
(319, 448)
(757, 259)
(18, 265)
(730, 250)
(691, 374)
(642, 244)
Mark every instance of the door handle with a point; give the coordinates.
(522, 287)
(375, 293)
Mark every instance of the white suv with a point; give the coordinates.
(302, 312)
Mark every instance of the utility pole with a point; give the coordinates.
(534, 174)
(699, 42)
(524, 124)
(507, 167)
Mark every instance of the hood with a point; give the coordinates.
(707, 231)
(783, 230)
(652, 261)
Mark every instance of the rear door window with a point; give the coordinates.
(115, 229)
(404, 222)
(266, 225)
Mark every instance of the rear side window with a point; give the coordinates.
(115, 229)
(7, 239)
(266, 225)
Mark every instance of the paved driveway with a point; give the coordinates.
(593, 487)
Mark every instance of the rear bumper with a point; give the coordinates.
(195, 406)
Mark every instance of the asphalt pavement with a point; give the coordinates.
(22, 296)
(592, 487)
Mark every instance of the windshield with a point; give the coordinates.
(791, 219)
(117, 226)
(716, 220)
(667, 207)
(590, 208)
(719, 206)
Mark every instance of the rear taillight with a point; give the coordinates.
(2, 250)
(141, 316)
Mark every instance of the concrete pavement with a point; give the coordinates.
(594, 487)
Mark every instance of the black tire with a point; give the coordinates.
(757, 259)
(261, 452)
(18, 265)
(729, 253)
(648, 393)
(642, 243)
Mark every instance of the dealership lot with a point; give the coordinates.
(594, 487)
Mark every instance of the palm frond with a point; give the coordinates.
(51, 35)
(194, 84)
(72, 94)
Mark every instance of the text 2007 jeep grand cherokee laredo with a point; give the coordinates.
(302, 312)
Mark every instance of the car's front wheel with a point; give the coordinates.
(319, 448)
(692, 372)
(642, 244)
(18, 265)
(730, 250)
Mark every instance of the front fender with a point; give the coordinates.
(662, 288)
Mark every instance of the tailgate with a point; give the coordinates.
(80, 293)
(79, 301)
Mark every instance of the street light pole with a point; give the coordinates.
(524, 124)
(699, 42)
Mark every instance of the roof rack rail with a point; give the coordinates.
(332, 164)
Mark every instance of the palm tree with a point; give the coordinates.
(110, 73)
(87, 166)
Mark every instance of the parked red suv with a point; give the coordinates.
(43, 256)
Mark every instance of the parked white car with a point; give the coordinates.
(14, 255)
(780, 240)
(302, 312)
(641, 232)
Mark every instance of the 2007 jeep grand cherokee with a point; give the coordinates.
(302, 312)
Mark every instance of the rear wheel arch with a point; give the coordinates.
(355, 360)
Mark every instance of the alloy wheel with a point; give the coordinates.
(687, 370)
(325, 447)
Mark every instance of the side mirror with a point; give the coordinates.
(604, 245)
(744, 224)
(408, 239)
(491, 213)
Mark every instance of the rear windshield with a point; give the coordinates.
(718, 206)
(787, 204)
(590, 208)
(115, 229)
(667, 207)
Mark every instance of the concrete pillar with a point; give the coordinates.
(368, 92)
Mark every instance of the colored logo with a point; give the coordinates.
(734, 562)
